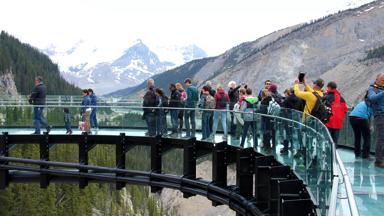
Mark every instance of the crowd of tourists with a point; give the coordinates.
(316, 99)
(312, 99)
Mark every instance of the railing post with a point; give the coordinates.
(156, 163)
(219, 164)
(4, 151)
(83, 158)
(245, 171)
(44, 156)
(189, 168)
(120, 159)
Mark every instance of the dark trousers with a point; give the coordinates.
(150, 119)
(174, 119)
(379, 127)
(360, 128)
(232, 128)
(189, 117)
(67, 125)
(248, 124)
(266, 126)
(205, 128)
(38, 119)
(334, 134)
(93, 119)
(181, 118)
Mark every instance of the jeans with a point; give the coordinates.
(266, 126)
(206, 129)
(38, 119)
(160, 123)
(334, 134)
(150, 119)
(248, 124)
(174, 119)
(379, 127)
(189, 117)
(360, 128)
(67, 125)
(93, 119)
(181, 118)
(223, 116)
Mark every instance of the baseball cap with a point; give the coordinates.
(319, 82)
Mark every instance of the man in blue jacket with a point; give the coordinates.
(189, 115)
(37, 98)
(376, 98)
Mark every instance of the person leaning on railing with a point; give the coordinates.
(359, 120)
(376, 97)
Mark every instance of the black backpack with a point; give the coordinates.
(322, 109)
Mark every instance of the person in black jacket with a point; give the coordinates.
(233, 94)
(149, 100)
(174, 102)
(294, 108)
(37, 98)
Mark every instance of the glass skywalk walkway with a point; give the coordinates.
(312, 154)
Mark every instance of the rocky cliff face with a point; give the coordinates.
(332, 48)
(7, 86)
(178, 206)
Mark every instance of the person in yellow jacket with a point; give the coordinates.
(307, 95)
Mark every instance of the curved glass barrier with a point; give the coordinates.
(303, 143)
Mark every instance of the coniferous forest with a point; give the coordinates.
(26, 62)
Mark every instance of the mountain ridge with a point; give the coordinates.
(327, 45)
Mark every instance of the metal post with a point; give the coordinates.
(156, 163)
(44, 156)
(120, 159)
(244, 172)
(219, 164)
(4, 151)
(189, 169)
(83, 158)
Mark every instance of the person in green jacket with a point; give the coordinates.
(191, 102)
(248, 106)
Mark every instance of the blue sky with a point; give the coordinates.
(215, 26)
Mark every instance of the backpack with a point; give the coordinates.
(223, 100)
(273, 107)
(250, 109)
(210, 102)
(322, 109)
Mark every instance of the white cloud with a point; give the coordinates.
(213, 25)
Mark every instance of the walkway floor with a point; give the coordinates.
(367, 182)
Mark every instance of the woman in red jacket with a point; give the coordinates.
(339, 108)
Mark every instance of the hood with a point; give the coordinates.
(251, 100)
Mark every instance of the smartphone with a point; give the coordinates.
(301, 77)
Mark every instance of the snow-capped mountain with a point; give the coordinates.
(108, 70)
